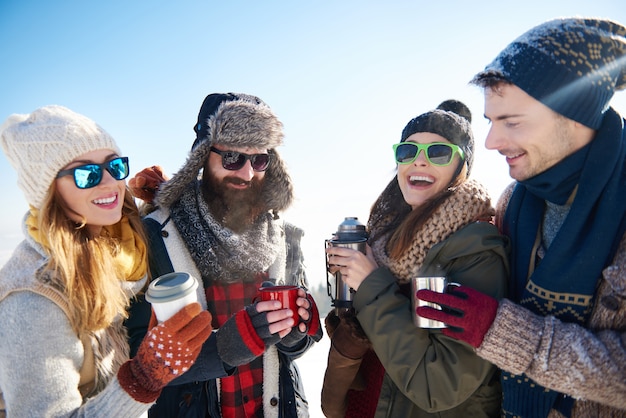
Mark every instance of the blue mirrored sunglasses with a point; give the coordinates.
(90, 175)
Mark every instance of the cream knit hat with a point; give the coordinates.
(40, 144)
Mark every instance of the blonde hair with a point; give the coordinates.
(83, 266)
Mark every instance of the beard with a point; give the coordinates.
(236, 209)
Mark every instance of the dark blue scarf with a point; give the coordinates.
(564, 282)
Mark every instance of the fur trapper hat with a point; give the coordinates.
(235, 120)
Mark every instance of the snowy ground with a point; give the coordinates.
(312, 367)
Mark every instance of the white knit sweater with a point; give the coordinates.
(40, 355)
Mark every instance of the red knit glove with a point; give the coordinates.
(467, 312)
(146, 183)
(167, 351)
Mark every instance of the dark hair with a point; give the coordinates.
(489, 79)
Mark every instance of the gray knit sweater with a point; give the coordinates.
(41, 356)
(587, 363)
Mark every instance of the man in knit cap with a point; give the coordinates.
(560, 336)
(223, 227)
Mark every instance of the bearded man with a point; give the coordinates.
(223, 228)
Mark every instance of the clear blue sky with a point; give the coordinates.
(343, 76)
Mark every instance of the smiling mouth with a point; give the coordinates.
(420, 181)
(105, 201)
(513, 156)
(238, 183)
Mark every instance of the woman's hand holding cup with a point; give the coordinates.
(353, 265)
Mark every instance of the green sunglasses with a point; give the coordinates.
(437, 153)
(90, 175)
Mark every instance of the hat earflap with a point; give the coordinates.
(277, 188)
(171, 190)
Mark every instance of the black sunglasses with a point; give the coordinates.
(437, 153)
(234, 160)
(90, 175)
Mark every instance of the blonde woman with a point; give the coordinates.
(65, 291)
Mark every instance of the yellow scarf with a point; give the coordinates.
(131, 260)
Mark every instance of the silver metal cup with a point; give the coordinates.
(436, 284)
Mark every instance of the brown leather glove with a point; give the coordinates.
(348, 343)
(348, 346)
(338, 379)
(331, 322)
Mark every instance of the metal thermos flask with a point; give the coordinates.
(350, 234)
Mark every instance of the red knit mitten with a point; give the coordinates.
(468, 313)
(167, 351)
(146, 183)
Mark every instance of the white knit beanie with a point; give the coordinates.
(40, 144)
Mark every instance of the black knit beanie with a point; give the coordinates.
(447, 122)
(572, 65)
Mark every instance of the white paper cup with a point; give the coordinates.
(170, 293)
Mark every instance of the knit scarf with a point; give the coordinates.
(219, 253)
(564, 282)
(131, 259)
(469, 202)
(230, 265)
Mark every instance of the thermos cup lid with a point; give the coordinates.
(351, 229)
(170, 286)
(351, 223)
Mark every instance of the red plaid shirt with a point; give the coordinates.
(242, 393)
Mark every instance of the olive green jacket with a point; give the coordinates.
(427, 373)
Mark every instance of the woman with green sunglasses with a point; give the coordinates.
(65, 291)
(431, 220)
